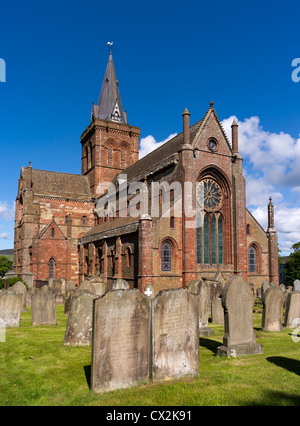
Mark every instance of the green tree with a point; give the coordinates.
(5, 265)
(293, 267)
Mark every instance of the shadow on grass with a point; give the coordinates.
(87, 372)
(209, 344)
(289, 364)
(276, 398)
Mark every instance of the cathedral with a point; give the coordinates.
(183, 215)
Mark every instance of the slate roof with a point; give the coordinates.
(62, 185)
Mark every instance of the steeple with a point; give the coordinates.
(109, 105)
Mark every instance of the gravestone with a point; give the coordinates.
(121, 340)
(264, 287)
(59, 299)
(282, 288)
(43, 306)
(58, 286)
(292, 312)
(296, 285)
(272, 317)
(149, 291)
(120, 284)
(10, 308)
(21, 288)
(202, 288)
(239, 337)
(70, 287)
(217, 311)
(175, 339)
(79, 325)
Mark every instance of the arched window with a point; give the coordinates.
(252, 259)
(123, 158)
(51, 268)
(166, 257)
(209, 223)
(248, 229)
(109, 155)
(83, 220)
(128, 257)
(52, 232)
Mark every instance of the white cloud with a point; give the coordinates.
(4, 236)
(149, 144)
(7, 212)
(274, 170)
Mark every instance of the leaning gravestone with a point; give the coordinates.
(273, 302)
(10, 308)
(296, 285)
(43, 306)
(202, 288)
(175, 339)
(239, 338)
(79, 325)
(21, 288)
(292, 312)
(121, 340)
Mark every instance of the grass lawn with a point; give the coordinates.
(36, 369)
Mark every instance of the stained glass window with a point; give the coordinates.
(166, 257)
(210, 229)
(252, 259)
(51, 268)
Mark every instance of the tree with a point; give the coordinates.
(5, 265)
(293, 267)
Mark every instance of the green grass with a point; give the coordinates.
(36, 369)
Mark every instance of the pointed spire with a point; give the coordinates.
(270, 214)
(109, 105)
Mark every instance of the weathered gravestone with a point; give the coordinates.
(58, 286)
(79, 325)
(175, 338)
(292, 312)
(264, 287)
(202, 288)
(121, 340)
(43, 307)
(70, 287)
(21, 288)
(296, 285)
(217, 311)
(272, 316)
(239, 338)
(120, 284)
(10, 308)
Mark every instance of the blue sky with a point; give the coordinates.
(168, 55)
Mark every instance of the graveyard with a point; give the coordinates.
(41, 365)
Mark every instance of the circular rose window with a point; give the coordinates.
(209, 195)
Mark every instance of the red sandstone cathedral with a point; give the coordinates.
(59, 232)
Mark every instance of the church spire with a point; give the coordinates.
(109, 105)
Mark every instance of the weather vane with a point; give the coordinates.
(110, 45)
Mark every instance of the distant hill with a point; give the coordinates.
(7, 252)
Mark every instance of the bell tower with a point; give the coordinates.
(109, 144)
